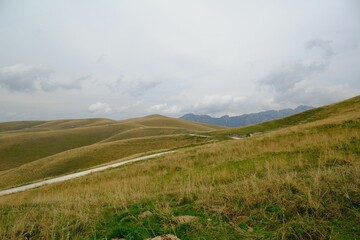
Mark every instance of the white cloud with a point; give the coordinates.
(217, 104)
(290, 74)
(134, 86)
(324, 46)
(164, 109)
(20, 77)
(212, 104)
(100, 107)
(313, 94)
(207, 57)
(32, 77)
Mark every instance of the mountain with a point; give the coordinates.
(245, 119)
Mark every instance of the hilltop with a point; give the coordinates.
(299, 179)
(53, 148)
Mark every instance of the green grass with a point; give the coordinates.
(13, 126)
(297, 182)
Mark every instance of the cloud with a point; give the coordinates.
(100, 107)
(165, 109)
(292, 73)
(288, 75)
(303, 81)
(324, 46)
(315, 95)
(23, 77)
(139, 87)
(134, 86)
(30, 77)
(51, 85)
(212, 104)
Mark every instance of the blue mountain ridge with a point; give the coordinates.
(245, 119)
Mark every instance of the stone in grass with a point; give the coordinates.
(145, 214)
(165, 237)
(183, 219)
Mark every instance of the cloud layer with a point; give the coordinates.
(23, 77)
(144, 57)
(30, 78)
(99, 108)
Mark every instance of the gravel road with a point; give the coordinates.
(78, 174)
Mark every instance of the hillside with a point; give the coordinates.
(53, 148)
(334, 111)
(300, 179)
(245, 119)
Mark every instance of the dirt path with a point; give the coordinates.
(198, 135)
(78, 174)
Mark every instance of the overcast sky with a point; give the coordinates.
(128, 58)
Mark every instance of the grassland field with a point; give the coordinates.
(54, 148)
(300, 179)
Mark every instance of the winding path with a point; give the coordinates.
(78, 174)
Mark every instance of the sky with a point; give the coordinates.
(130, 58)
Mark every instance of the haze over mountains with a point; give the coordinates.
(245, 119)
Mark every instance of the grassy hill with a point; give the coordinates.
(298, 180)
(53, 148)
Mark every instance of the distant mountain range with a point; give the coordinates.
(245, 119)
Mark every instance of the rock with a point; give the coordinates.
(166, 237)
(183, 219)
(145, 214)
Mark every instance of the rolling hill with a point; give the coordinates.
(299, 179)
(48, 149)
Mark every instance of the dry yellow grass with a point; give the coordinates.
(161, 121)
(89, 156)
(49, 149)
(302, 182)
(146, 132)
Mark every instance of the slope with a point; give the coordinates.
(298, 182)
(53, 148)
(161, 121)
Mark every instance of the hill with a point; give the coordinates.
(245, 119)
(52, 148)
(333, 111)
(300, 179)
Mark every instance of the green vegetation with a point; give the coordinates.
(301, 181)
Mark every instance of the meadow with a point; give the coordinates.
(300, 179)
(55, 148)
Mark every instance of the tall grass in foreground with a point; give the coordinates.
(298, 183)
